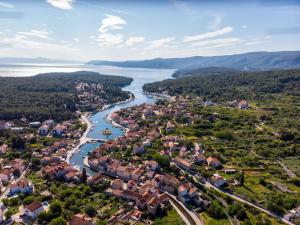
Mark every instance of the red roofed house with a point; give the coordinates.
(214, 162)
(34, 209)
(21, 186)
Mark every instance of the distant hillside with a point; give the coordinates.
(246, 61)
(205, 71)
(40, 60)
(229, 86)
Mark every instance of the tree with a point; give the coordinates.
(83, 176)
(242, 178)
(91, 211)
(58, 221)
(55, 209)
(18, 142)
(215, 210)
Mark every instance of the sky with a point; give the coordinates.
(139, 29)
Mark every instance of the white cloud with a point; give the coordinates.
(24, 46)
(160, 43)
(221, 42)
(134, 40)
(61, 4)
(244, 26)
(44, 34)
(207, 35)
(108, 40)
(76, 39)
(6, 5)
(112, 23)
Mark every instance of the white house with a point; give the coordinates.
(5, 125)
(44, 130)
(218, 180)
(21, 186)
(34, 209)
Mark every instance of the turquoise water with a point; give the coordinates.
(140, 76)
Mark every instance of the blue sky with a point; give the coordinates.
(137, 29)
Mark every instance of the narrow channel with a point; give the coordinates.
(140, 77)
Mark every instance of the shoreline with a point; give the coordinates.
(85, 119)
(154, 94)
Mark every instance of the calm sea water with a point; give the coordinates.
(140, 77)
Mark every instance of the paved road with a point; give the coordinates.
(188, 216)
(237, 198)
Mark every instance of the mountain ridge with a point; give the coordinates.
(245, 61)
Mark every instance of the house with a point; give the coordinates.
(3, 149)
(187, 193)
(184, 164)
(50, 123)
(117, 184)
(35, 124)
(59, 130)
(21, 186)
(214, 162)
(81, 219)
(5, 125)
(134, 215)
(131, 185)
(199, 158)
(96, 179)
(152, 165)
(170, 126)
(147, 143)
(243, 104)
(218, 180)
(138, 149)
(34, 209)
(44, 130)
(5, 175)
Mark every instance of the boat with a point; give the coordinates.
(106, 132)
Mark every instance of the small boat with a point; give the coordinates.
(106, 132)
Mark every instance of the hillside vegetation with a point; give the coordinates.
(229, 86)
(246, 61)
(53, 95)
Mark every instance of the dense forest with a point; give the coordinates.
(230, 85)
(52, 95)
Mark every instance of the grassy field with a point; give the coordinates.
(211, 221)
(293, 164)
(172, 218)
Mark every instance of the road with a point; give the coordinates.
(83, 139)
(235, 197)
(188, 216)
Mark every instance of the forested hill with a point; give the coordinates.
(246, 61)
(53, 95)
(204, 71)
(230, 86)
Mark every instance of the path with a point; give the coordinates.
(188, 216)
(83, 140)
(290, 173)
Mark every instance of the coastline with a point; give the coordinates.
(84, 118)
(158, 95)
